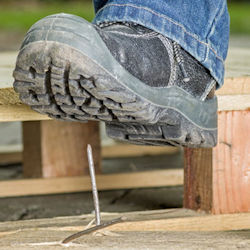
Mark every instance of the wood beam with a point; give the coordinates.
(56, 149)
(218, 180)
(168, 220)
(112, 151)
(146, 179)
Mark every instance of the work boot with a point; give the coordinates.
(144, 86)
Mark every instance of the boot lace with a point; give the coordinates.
(180, 61)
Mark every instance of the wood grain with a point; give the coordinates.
(112, 151)
(157, 178)
(159, 229)
(235, 86)
(231, 164)
(219, 178)
(56, 149)
(168, 220)
(207, 223)
(233, 102)
(201, 223)
(32, 149)
(11, 113)
(11, 157)
(198, 179)
(128, 150)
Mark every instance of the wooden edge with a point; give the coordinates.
(232, 86)
(11, 113)
(128, 150)
(84, 219)
(205, 223)
(11, 157)
(145, 179)
(198, 223)
(234, 95)
(113, 151)
(233, 102)
(235, 86)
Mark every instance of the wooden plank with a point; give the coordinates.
(232, 86)
(11, 108)
(179, 221)
(237, 84)
(11, 113)
(82, 220)
(201, 223)
(177, 229)
(22, 112)
(11, 157)
(231, 164)
(198, 179)
(32, 150)
(51, 240)
(112, 151)
(218, 180)
(9, 97)
(158, 178)
(56, 149)
(128, 150)
(233, 102)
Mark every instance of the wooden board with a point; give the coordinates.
(158, 178)
(198, 179)
(156, 220)
(234, 102)
(237, 84)
(218, 180)
(112, 151)
(231, 164)
(21, 112)
(11, 113)
(56, 149)
(11, 157)
(158, 229)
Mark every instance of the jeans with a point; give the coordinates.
(201, 27)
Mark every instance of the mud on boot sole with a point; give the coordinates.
(65, 70)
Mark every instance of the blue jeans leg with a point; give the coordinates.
(201, 27)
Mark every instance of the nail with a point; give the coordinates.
(94, 187)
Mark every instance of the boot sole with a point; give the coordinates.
(65, 70)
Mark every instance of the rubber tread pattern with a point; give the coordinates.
(55, 79)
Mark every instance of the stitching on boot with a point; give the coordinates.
(167, 44)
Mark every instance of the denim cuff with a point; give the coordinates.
(168, 27)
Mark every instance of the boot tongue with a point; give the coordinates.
(154, 60)
(140, 51)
